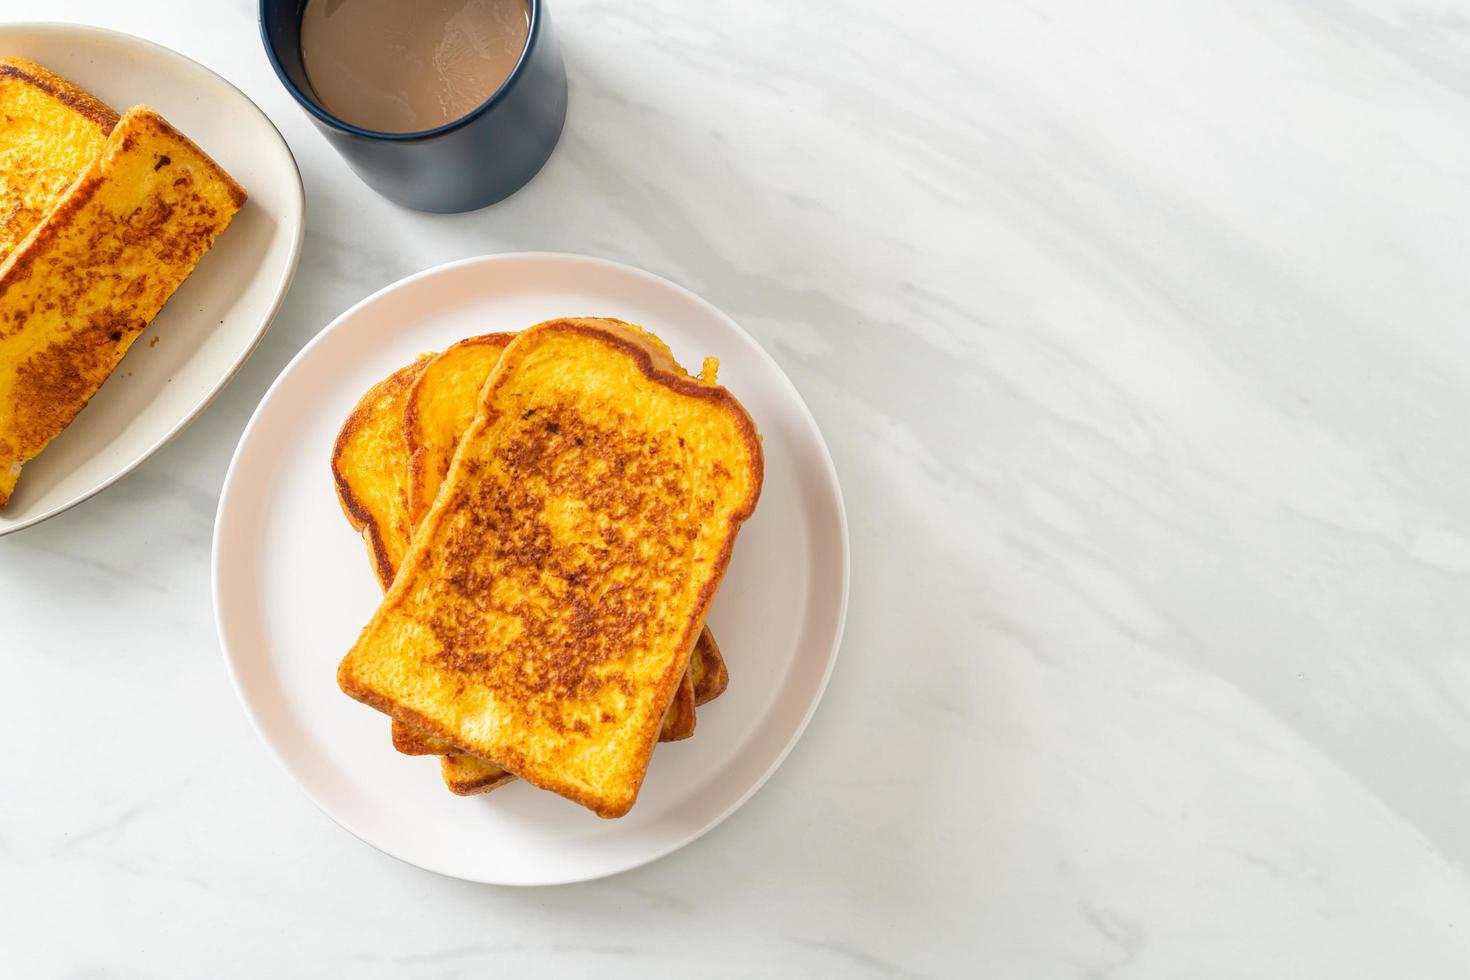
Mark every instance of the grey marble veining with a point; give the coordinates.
(1138, 333)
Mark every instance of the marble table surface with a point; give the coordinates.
(1138, 332)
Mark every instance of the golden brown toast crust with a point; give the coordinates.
(371, 439)
(707, 669)
(63, 91)
(50, 132)
(568, 675)
(411, 741)
(81, 287)
(680, 717)
(467, 776)
(437, 413)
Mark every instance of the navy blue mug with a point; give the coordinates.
(475, 160)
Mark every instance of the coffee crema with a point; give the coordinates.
(402, 67)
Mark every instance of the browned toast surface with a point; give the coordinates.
(707, 669)
(370, 466)
(466, 775)
(80, 288)
(50, 132)
(545, 611)
(439, 410)
(371, 461)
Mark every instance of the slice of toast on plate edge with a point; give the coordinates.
(546, 611)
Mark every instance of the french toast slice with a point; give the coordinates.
(370, 469)
(440, 407)
(80, 288)
(439, 410)
(546, 609)
(50, 132)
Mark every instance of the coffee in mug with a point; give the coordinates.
(405, 66)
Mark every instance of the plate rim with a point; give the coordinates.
(829, 469)
(283, 286)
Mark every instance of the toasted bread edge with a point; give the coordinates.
(711, 681)
(679, 719)
(468, 776)
(143, 112)
(356, 512)
(67, 93)
(418, 501)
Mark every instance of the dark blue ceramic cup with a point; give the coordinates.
(473, 161)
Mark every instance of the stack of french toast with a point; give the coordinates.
(549, 514)
(102, 217)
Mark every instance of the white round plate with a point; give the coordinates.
(292, 585)
(218, 316)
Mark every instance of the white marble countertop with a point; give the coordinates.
(1138, 332)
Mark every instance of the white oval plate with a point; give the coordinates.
(220, 313)
(292, 585)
